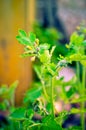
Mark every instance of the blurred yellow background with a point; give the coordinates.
(15, 14)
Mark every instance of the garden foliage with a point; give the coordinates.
(38, 109)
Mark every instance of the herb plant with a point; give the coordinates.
(49, 70)
(47, 73)
(51, 36)
(77, 53)
(38, 110)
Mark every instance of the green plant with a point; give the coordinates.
(41, 97)
(49, 70)
(51, 36)
(7, 96)
(77, 53)
(7, 103)
(47, 73)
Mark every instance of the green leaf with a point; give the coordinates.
(73, 37)
(80, 99)
(30, 113)
(52, 69)
(77, 111)
(84, 42)
(22, 33)
(33, 94)
(38, 71)
(32, 37)
(3, 90)
(18, 114)
(70, 92)
(19, 39)
(75, 128)
(23, 40)
(50, 124)
(83, 62)
(13, 86)
(12, 89)
(76, 57)
(52, 50)
(76, 39)
(45, 57)
(27, 123)
(43, 47)
(61, 117)
(8, 93)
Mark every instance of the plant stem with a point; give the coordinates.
(43, 84)
(78, 75)
(83, 103)
(44, 90)
(52, 97)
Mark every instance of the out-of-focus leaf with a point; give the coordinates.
(61, 117)
(45, 57)
(38, 71)
(75, 128)
(77, 111)
(76, 39)
(50, 124)
(13, 87)
(23, 40)
(33, 94)
(18, 114)
(52, 50)
(30, 113)
(43, 47)
(70, 92)
(83, 62)
(80, 99)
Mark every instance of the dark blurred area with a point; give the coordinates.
(63, 15)
(48, 16)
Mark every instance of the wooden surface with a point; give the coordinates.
(15, 14)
